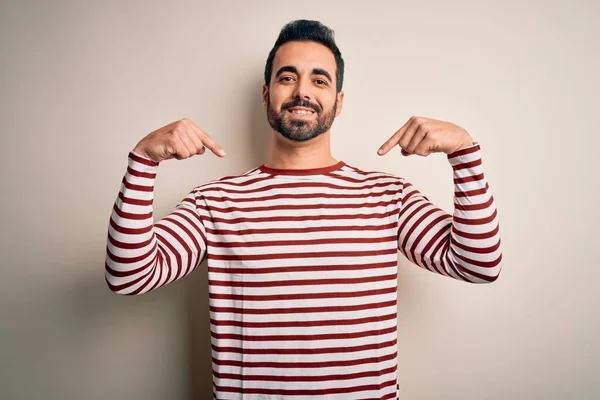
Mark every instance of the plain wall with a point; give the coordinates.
(83, 82)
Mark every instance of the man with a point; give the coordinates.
(302, 251)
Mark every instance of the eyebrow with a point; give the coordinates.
(292, 69)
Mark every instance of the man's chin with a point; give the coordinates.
(298, 136)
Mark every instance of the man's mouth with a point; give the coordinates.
(300, 111)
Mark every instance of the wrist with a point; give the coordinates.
(140, 152)
(466, 142)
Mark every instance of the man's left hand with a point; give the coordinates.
(424, 136)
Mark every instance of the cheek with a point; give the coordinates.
(276, 102)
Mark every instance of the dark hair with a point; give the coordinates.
(307, 31)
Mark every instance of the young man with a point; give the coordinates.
(302, 251)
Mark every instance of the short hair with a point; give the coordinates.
(303, 30)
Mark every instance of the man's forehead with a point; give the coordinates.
(304, 56)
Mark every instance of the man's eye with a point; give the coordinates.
(321, 82)
(286, 78)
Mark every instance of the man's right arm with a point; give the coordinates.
(142, 255)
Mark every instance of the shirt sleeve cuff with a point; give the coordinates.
(466, 154)
(141, 159)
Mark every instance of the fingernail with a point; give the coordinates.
(380, 151)
(222, 152)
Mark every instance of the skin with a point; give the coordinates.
(305, 72)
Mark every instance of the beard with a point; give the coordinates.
(300, 130)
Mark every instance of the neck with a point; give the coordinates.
(288, 154)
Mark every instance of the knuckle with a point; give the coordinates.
(184, 153)
(171, 142)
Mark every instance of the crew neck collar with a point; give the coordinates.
(302, 171)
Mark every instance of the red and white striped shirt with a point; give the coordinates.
(302, 267)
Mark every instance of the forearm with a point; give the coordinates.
(465, 245)
(140, 255)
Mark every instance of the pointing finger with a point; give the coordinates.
(208, 141)
(391, 142)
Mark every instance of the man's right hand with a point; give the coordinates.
(181, 139)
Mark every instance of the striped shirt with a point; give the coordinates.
(302, 267)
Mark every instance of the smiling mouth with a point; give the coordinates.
(300, 111)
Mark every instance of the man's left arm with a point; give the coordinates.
(465, 245)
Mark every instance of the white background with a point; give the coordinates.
(82, 82)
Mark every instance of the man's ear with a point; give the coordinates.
(265, 93)
(340, 103)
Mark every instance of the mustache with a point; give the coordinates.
(301, 103)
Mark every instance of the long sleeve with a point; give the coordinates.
(466, 245)
(141, 255)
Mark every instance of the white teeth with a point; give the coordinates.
(301, 112)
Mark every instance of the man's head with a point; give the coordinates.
(303, 81)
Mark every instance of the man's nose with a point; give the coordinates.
(302, 90)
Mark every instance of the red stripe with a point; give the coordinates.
(477, 250)
(305, 392)
(291, 207)
(129, 246)
(300, 218)
(139, 188)
(474, 207)
(322, 350)
(298, 338)
(137, 202)
(303, 282)
(293, 365)
(321, 241)
(149, 175)
(129, 260)
(293, 324)
(467, 165)
(130, 231)
(123, 274)
(133, 216)
(221, 199)
(331, 228)
(472, 178)
(141, 160)
(290, 185)
(302, 296)
(476, 221)
(303, 378)
(302, 310)
(469, 193)
(462, 152)
(482, 264)
(302, 268)
(486, 278)
(279, 256)
(476, 236)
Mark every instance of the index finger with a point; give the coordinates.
(208, 141)
(392, 141)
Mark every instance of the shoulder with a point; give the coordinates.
(230, 181)
(367, 175)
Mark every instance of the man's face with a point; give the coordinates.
(302, 100)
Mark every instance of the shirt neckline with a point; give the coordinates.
(302, 171)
